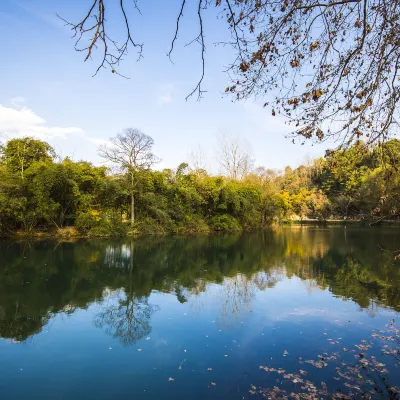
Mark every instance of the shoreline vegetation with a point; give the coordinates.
(70, 232)
(43, 195)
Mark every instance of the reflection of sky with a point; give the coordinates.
(74, 359)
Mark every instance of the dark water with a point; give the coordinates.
(266, 315)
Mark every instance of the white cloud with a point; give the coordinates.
(20, 121)
(164, 99)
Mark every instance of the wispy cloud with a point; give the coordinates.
(18, 101)
(165, 94)
(164, 99)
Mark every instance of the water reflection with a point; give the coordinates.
(39, 280)
(128, 320)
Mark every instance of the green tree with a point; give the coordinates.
(19, 154)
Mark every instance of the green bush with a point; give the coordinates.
(93, 224)
(149, 226)
(86, 221)
(224, 223)
(193, 224)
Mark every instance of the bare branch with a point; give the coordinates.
(176, 30)
(200, 39)
(96, 33)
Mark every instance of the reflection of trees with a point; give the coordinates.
(128, 320)
(43, 278)
(237, 293)
(19, 327)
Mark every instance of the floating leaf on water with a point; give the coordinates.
(302, 372)
(380, 365)
(280, 371)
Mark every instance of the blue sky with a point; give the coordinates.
(46, 89)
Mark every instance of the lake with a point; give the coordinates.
(299, 312)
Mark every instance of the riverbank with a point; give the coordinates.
(71, 232)
(343, 222)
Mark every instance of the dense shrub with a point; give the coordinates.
(94, 223)
(224, 223)
(193, 224)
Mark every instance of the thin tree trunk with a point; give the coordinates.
(132, 203)
(132, 210)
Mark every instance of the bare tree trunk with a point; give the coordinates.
(132, 203)
(132, 210)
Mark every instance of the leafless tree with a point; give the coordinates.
(131, 151)
(197, 160)
(332, 67)
(235, 161)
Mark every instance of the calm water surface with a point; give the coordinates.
(286, 312)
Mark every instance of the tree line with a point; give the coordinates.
(39, 191)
